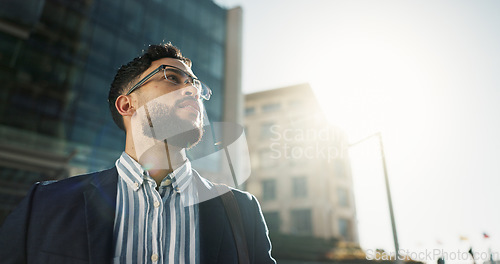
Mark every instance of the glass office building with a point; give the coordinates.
(57, 60)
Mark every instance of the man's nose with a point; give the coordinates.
(191, 90)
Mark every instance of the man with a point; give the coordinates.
(151, 207)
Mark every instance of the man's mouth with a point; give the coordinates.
(190, 105)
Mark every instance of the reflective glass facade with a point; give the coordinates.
(57, 60)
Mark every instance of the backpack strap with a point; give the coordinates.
(234, 215)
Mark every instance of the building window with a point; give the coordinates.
(343, 197)
(265, 130)
(249, 111)
(273, 221)
(301, 222)
(269, 189)
(271, 107)
(299, 187)
(344, 228)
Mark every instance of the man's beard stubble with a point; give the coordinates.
(162, 123)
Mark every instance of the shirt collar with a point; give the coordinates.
(180, 177)
(130, 171)
(134, 174)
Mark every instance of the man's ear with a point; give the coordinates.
(124, 105)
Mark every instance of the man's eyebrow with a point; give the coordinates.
(178, 71)
(173, 70)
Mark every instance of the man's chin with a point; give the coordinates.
(179, 128)
(192, 131)
(186, 139)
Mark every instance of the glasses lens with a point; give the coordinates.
(205, 91)
(179, 77)
(176, 76)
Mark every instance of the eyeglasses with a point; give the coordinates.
(178, 78)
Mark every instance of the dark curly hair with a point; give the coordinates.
(130, 72)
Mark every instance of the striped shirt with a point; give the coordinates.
(155, 226)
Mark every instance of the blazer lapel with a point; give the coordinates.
(212, 221)
(100, 203)
(212, 225)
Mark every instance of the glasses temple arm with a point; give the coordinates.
(137, 85)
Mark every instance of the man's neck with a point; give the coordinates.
(160, 160)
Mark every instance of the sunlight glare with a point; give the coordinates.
(367, 85)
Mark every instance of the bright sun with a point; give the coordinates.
(370, 84)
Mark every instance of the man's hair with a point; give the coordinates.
(129, 73)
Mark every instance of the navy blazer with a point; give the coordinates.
(71, 221)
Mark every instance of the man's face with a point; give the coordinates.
(166, 111)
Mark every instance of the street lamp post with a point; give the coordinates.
(388, 190)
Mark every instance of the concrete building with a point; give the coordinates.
(300, 168)
(57, 60)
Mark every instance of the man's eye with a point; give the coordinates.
(173, 78)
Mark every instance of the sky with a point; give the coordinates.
(424, 74)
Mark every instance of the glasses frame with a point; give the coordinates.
(163, 67)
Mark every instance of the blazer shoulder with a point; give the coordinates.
(247, 202)
(76, 183)
(243, 196)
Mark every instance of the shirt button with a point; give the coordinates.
(136, 184)
(167, 182)
(154, 257)
(157, 204)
